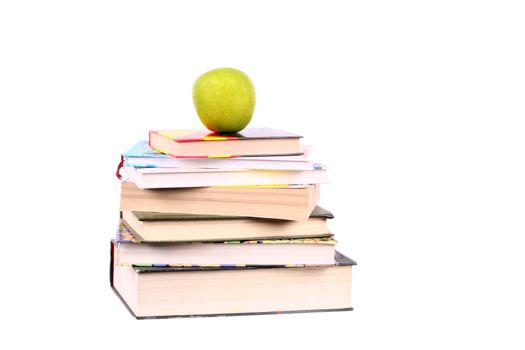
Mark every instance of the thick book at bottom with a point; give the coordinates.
(185, 291)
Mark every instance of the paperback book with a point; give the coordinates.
(141, 155)
(278, 252)
(282, 202)
(179, 227)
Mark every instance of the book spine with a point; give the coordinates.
(111, 262)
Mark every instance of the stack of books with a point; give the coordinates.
(224, 225)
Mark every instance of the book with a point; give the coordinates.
(203, 144)
(203, 177)
(278, 252)
(183, 291)
(283, 202)
(141, 155)
(177, 227)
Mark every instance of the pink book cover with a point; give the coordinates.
(193, 135)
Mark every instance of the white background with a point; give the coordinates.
(417, 107)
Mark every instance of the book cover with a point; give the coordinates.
(318, 212)
(206, 135)
(143, 150)
(340, 260)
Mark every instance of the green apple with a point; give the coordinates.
(224, 99)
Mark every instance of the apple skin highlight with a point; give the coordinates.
(224, 99)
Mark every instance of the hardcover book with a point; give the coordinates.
(297, 251)
(183, 291)
(203, 144)
(177, 227)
